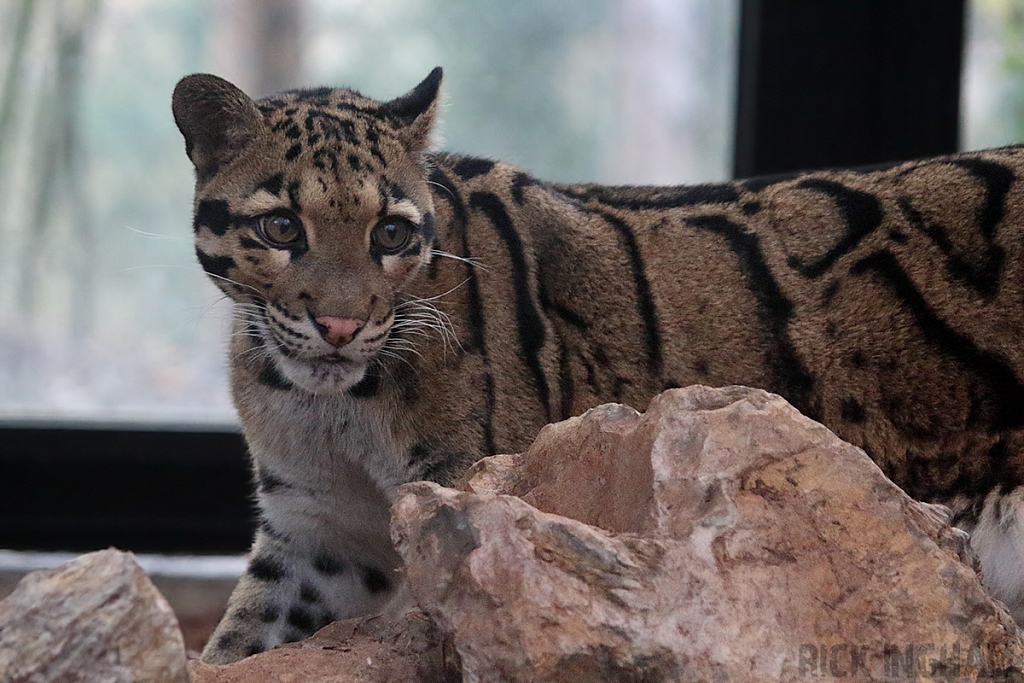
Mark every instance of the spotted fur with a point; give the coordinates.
(885, 303)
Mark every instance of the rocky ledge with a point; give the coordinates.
(720, 535)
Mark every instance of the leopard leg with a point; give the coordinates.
(318, 556)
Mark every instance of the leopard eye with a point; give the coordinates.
(392, 233)
(280, 229)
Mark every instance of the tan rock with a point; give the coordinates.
(405, 648)
(739, 541)
(97, 618)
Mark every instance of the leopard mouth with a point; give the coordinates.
(334, 360)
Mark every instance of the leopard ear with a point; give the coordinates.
(416, 111)
(217, 120)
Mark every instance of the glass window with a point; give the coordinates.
(104, 312)
(992, 99)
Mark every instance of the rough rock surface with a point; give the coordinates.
(97, 618)
(732, 539)
(405, 648)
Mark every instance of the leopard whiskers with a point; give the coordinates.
(431, 182)
(468, 261)
(421, 318)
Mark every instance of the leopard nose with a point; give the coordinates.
(338, 331)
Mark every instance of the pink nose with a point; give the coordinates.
(338, 331)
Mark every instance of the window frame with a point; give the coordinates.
(843, 83)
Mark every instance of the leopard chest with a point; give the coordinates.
(316, 439)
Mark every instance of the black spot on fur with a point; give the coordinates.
(270, 482)
(270, 614)
(968, 517)
(521, 181)
(293, 195)
(353, 161)
(642, 287)
(562, 311)
(997, 180)
(328, 565)
(700, 366)
(858, 359)
(215, 265)
(228, 640)
(273, 184)
(852, 411)
(774, 311)
(862, 214)
(374, 580)
(984, 275)
(308, 593)
(898, 237)
(830, 293)
(266, 569)
(271, 377)
(215, 215)
(293, 636)
(368, 386)
(750, 208)
(300, 618)
(267, 528)
(1004, 395)
(293, 152)
(470, 167)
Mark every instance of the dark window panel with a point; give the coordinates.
(846, 82)
(80, 489)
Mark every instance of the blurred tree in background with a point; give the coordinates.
(104, 313)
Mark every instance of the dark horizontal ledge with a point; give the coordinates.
(145, 489)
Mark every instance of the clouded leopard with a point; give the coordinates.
(402, 312)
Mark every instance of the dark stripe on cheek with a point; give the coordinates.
(249, 243)
(428, 228)
(412, 250)
(215, 265)
(214, 214)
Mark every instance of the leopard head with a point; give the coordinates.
(312, 212)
